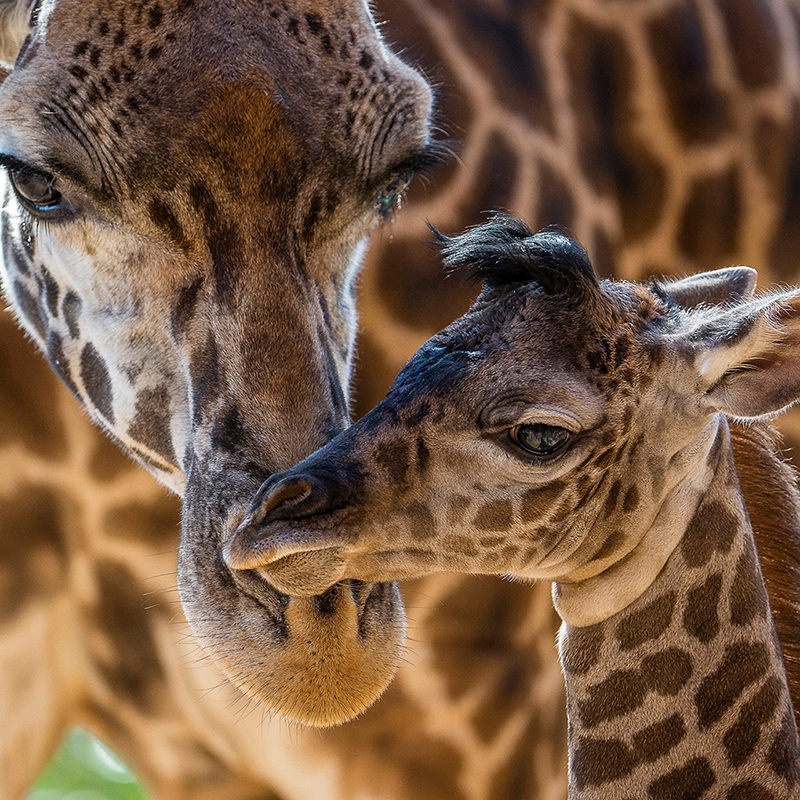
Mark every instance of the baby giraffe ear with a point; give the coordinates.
(748, 355)
(719, 286)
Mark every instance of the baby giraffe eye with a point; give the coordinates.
(539, 439)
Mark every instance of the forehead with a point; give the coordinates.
(523, 340)
(120, 85)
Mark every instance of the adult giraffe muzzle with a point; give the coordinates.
(186, 192)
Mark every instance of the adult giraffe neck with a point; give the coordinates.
(687, 685)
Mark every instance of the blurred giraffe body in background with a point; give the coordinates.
(666, 136)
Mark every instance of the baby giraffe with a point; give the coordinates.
(575, 431)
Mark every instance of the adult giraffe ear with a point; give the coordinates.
(717, 287)
(15, 16)
(747, 356)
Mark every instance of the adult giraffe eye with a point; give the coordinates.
(391, 198)
(538, 439)
(37, 191)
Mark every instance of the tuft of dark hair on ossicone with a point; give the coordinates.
(506, 251)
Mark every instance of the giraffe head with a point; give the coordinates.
(187, 189)
(538, 436)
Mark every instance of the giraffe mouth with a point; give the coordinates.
(290, 632)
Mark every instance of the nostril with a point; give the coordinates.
(285, 520)
(282, 499)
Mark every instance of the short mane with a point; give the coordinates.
(505, 251)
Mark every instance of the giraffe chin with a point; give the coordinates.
(317, 660)
(340, 664)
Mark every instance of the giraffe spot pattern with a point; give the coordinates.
(631, 501)
(741, 738)
(667, 671)
(617, 695)
(612, 543)
(496, 515)
(97, 381)
(71, 309)
(658, 739)
(599, 761)
(689, 782)
(781, 752)
(150, 425)
(751, 31)
(698, 107)
(742, 665)
(749, 790)
(701, 617)
(712, 199)
(712, 528)
(421, 520)
(748, 600)
(647, 623)
(581, 648)
(394, 457)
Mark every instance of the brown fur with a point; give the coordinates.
(769, 486)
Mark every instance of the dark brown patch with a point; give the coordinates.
(647, 623)
(33, 553)
(782, 754)
(612, 543)
(581, 648)
(420, 516)
(155, 523)
(52, 292)
(656, 740)
(125, 649)
(394, 457)
(754, 41)
(496, 515)
(611, 155)
(71, 309)
(701, 616)
(598, 761)
(555, 206)
(742, 737)
(620, 693)
(29, 308)
(631, 501)
(748, 599)
(742, 665)
(667, 671)
(97, 381)
(612, 498)
(712, 528)
(749, 790)
(165, 219)
(689, 782)
(710, 220)
(150, 425)
(698, 107)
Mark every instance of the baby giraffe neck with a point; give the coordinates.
(683, 693)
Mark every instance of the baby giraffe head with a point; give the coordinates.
(541, 434)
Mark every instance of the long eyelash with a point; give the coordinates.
(427, 158)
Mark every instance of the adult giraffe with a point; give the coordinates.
(571, 112)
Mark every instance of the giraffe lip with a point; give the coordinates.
(256, 545)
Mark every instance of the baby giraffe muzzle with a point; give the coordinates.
(276, 541)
